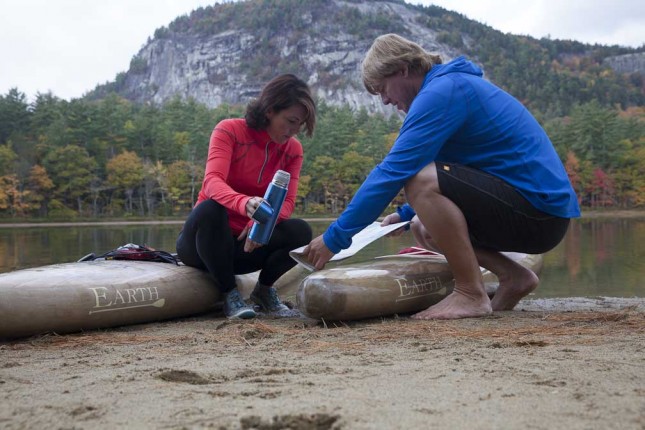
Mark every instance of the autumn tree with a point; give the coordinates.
(601, 189)
(353, 168)
(125, 172)
(11, 198)
(304, 188)
(178, 176)
(155, 186)
(39, 185)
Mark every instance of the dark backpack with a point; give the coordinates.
(132, 251)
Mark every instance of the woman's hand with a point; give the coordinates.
(317, 253)
(252, 205)
(393, 218)
(249, 245)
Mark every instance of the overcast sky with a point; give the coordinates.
(69, 46)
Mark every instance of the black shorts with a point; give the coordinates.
(498, 216)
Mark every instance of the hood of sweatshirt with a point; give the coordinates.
(458, 65)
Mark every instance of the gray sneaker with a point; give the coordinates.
(267, 299)
(235, 307)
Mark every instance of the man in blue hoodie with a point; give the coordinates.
(480, 176)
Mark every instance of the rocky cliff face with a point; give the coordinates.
(628, 63)
(188, 64)
(226, 53)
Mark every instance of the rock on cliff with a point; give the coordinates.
(627, 63)
(225, 53)
(225, 65)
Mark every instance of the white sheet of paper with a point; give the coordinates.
(363, 238)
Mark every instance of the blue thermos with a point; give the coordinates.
(266, 215)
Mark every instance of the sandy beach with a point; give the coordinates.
(556, 363)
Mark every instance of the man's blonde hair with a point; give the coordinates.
(390, 53)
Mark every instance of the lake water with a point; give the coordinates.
(598, 257)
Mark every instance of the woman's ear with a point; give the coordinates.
(269, 114)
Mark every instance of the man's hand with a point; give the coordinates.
(317, 253)
(393, 218)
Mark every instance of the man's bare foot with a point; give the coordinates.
(513, 287)
(457, 305)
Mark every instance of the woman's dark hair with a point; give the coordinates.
(278, 94)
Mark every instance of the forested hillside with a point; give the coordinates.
(224, 53)
(123, 150)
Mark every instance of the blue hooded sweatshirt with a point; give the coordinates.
(459, 117)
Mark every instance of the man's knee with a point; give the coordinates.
(424, 182)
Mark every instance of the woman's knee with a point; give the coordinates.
(297, 231)
(209, 210)
(208, 219)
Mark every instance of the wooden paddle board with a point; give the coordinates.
(393, 285)
(71, 297)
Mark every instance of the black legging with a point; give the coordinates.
(207, 242)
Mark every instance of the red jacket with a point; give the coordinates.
(241, 164)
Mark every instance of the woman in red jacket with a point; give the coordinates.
(243, 156)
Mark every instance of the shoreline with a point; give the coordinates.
(622, 214)
(100, 223)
